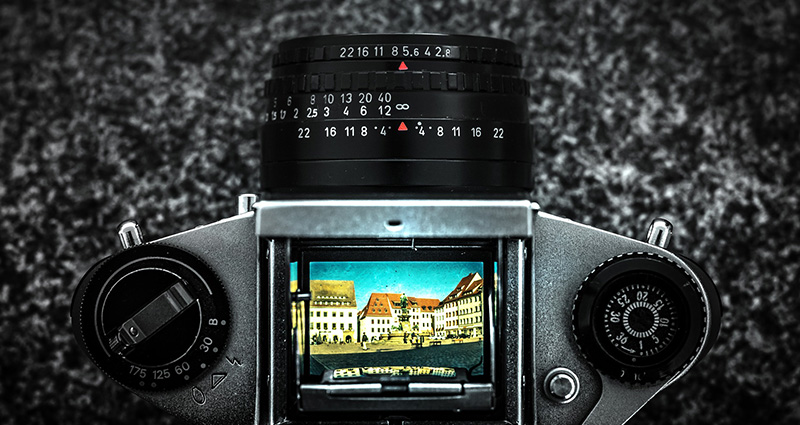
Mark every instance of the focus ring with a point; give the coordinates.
(357, 115)
(398, 80)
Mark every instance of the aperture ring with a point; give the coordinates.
(397, 52)
(397, 80)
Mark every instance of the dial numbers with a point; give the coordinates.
(640, 320)
(165, 294)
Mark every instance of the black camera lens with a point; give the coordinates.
(421, 114)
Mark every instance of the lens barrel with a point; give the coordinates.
(405, 114)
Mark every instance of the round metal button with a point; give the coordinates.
(561, 385)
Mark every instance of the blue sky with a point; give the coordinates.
(423, 279)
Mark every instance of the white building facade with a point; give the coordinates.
(333, 312)
(460, 314)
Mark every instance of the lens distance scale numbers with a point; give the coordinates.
(380, 104)
(157, 318)
(639, 318)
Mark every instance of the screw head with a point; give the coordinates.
(561, 385)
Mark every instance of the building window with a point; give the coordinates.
(333, 326)
(349, 326)
(325, 314)
(350, 314)
(325, 326)
(341, 314)
(318, 326)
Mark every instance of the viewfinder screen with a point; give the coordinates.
(365, 317)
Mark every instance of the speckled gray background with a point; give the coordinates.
(689, 110)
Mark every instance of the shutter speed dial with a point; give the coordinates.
(640, 318)
(152, 317)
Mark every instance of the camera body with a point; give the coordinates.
(543, 261)
(394, 283)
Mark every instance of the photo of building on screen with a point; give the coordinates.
(382, 314)
(458, 315)
(335, 317)
(333, 311)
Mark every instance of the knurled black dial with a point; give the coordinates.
(639, 318)
(152, 317)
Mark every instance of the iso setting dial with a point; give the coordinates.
(152, 317)
(639, 318)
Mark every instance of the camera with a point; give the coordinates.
(396, 269)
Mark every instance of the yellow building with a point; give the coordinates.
(333, 311)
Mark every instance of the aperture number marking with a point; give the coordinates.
(354, 52)
(384, 51)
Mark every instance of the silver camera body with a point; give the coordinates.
(538, 372)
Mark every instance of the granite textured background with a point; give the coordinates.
(688, 110)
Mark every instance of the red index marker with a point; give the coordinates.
(403, 66)
(402, 127)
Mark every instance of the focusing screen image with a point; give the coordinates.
(411, 317)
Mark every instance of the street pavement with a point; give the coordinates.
(466, 355)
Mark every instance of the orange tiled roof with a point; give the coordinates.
(377, 306)
(425, 304)
(380, 304)
(470, 284)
